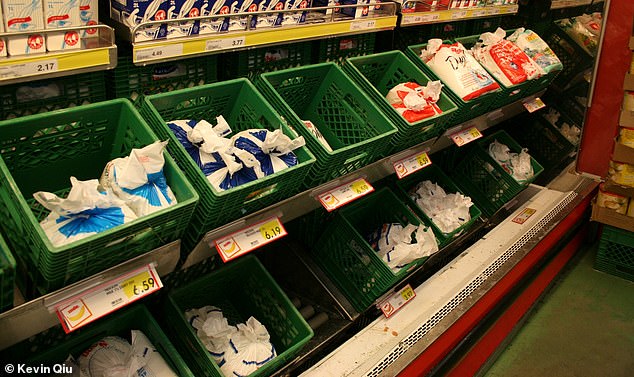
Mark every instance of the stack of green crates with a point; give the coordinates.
(484, 180)
(41, 350)
(466, 109)
(7, 276)
(241, 289)
(41, 153)
(252, 62)
(434, 174)
(355, 129)
(616, 253)
(244, 108)
(346, 256)
(574, 58)
(378, 73)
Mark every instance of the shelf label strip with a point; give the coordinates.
(159, 52)
(411, 164)
(344, 194)
(250, 238)
(362, 25)
(226, 43)
(466, 136)
(397, 301)
(29, 68)
(89, 306)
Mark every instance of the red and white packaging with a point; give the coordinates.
(62, 14)
(24, 15)
(458, 69)
(89, 15)
(415, 102)
(505, 60)
(3, 43)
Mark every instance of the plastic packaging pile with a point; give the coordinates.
(415, 102)
(517, 165)
(570, 132)
(398, 246)
(243, 158)
(317, 134)
(584, 29)
(130, 187)
(458, 69)
(448, 211)
(536, 49)
(238, 350)
(113, 356)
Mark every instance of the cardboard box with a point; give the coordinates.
(627, 119)
(59, 14)
(623, 153)
(611, 186)
(632, 43)
(611, 217)
(629, 82)
(3, 44)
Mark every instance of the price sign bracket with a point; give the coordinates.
(341, 195)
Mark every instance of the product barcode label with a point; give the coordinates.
(250, 238)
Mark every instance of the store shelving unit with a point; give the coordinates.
(444, 15)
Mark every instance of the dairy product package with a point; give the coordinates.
(536, 49)
(87, 210)
(505, 60)
(238, 350)
(399, 245)
(89, 15)
(3, 42)
(59, 14)
(139, 181)
(612, 201)
(272, 150)
(518, 165)
(213, 25)
(358, 12)
(134, 12)
(414, 102)
(292, 18)
(272, 19)
(24, 15)
(460, 71)
(315, 132)
(242, 6)
(621, 173)
(448, 211)
(180, 9)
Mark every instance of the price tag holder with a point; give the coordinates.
(479, 13)
(106, 298)
(523, 216)
(466, 136)
(344, 194)
(458, 14)
(493, 10)
(411, 164)
(159, 52)
(224, 44)
(249, 239)
(412, 19)
(534, 104)
(29, 69)
(397, 301)
(362, 25)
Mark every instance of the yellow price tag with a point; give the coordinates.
(138, 284)
(271, 229)
(475, 133)
(423, 159)
(407, 293)
(360, 186)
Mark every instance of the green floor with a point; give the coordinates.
(583, 327)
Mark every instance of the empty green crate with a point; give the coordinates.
(573, 57)
(42, 96)
(337, 49)
(346, 256)
(434, 174)
(252, 62)
(244, 108)
(466, 109)
(241, 289)
(128, 80)
(41, 153)
(53, 346)
(7, 276)
(378, 73)
(355, 129)
(616, 253)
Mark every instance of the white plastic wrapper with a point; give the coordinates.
(138, 179)
(315, 132)
(447, 211)
(144, 360)
(85, 211)
(267, 152)
(536, 49)
(584, 30)
(238, 350)
(458, 69)
(415, 102)
(505, 60)
(517, 165)
(398, 246)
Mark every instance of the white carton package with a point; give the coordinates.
(213, 25)
(293, 18)
(89, 15)
(134, 12)
(358, 12)
(3, 43)
(24, 15)
(242, 6)
(271, 19)
(181, 9)
(60, 14)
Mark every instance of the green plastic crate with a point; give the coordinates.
(434, 174)
(241, 289)
(573, 57)
(244, 108)
(355, 129)
(378, 73)
(349, 260)
(252, 62)
(337, 49)
(466, 110)
(53, 346)
(42, 96)
(616, 253)
(7, 276)
(79, 142)
(131, 81)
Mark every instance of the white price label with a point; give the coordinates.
(106, 298)
(249, 239)
(534, 104)
(411, 164)
(412, 19)
(479, 13)
(159, 52)
(397, 301)
(39, 67)
(513, 8)
(337, 197)
(224, 44)
(466, 136)
(458, 14)
(493, 10)
(362, 25)
(524, 215)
